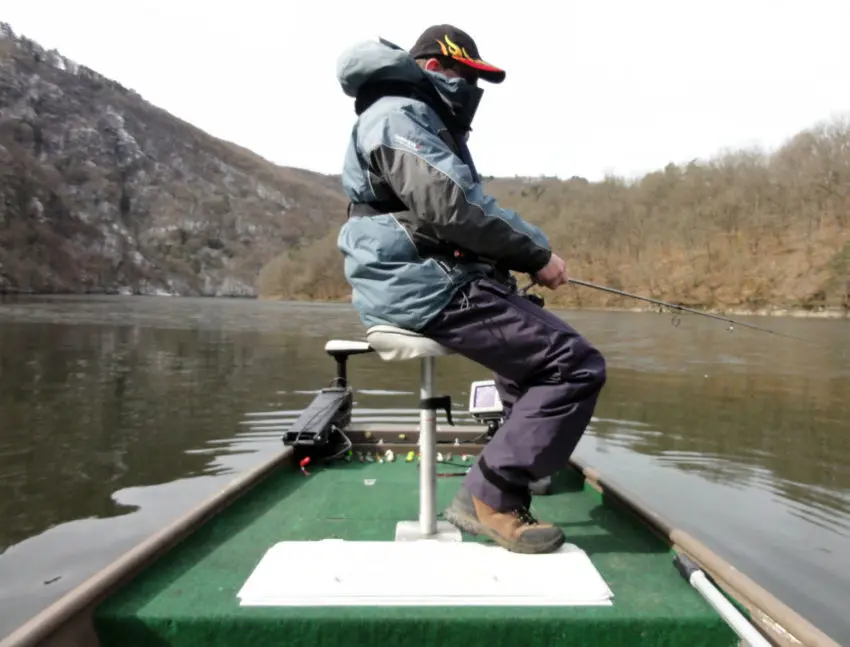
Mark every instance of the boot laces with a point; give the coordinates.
(525, 517)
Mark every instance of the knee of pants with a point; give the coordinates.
(590, 369)
(599, 367)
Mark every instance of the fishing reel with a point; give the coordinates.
(536, 299)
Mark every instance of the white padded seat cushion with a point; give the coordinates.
(346, 346)
(398, 344)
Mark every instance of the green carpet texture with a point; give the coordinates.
(188, 598)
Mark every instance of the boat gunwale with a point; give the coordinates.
(68, 621)
(780, 624)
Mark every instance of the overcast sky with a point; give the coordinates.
(593, 87)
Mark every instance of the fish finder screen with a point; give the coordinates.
(485, 396)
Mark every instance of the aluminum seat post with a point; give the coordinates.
(428, 450)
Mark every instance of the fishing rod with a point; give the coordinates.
(681, 308)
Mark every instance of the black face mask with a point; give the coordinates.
(463, 97)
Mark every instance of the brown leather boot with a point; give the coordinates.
(516, 531)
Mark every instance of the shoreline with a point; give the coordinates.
(797, 313)
(767, 311)
(775, 311)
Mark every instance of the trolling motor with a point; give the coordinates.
(319, 432)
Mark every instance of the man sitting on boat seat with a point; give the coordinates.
(426, 250)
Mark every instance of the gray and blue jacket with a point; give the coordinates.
(420, 226)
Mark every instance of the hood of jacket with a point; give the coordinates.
(380, 60)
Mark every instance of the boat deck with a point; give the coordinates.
(189, 597)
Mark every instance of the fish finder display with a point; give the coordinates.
(484, 398)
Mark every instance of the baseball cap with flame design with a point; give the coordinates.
(451, 42)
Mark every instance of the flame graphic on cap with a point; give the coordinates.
(451, 49)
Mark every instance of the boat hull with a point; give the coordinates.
(89, 616)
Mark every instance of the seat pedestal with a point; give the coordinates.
(427, 527)
(395, 344)
(412, 531)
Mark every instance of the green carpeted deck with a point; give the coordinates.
(188, 599)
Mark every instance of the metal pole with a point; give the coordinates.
(734, 618)
(428, 449)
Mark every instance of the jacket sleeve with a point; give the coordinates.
(439, 189)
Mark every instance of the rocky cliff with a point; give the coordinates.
(101, 191)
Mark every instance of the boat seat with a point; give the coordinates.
(398, 344)
(334, 347)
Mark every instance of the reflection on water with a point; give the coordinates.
(120, 413)
(751, 430)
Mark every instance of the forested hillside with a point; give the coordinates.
(747, 230)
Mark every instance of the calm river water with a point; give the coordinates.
(119, 413)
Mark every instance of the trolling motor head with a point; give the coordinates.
(319, 432)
